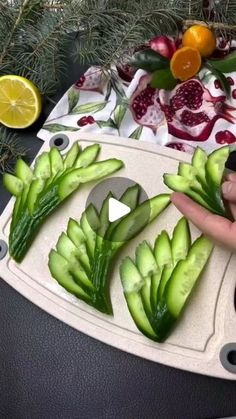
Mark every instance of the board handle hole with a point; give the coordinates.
(60, 141)
(232, 357)
(3, 249)
(228, 357)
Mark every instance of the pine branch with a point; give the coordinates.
(10, 150)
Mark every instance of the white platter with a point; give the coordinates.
(209, 321)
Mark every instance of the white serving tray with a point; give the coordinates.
(209, 321)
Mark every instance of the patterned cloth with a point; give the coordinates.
(195, 113)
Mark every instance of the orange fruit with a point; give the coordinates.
(200, 37)
(185, 63)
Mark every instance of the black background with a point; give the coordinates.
(49, 370)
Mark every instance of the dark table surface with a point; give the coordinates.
(49, 370)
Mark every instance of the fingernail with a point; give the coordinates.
(226, 188)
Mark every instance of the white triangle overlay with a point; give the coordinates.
(116, 210)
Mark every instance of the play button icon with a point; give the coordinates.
(113, 209)
(116, 210)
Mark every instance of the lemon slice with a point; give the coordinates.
(20, 102)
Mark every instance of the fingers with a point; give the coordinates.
(231, 177)
(229, 190)
(219, 229)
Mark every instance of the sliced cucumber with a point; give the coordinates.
(103, 222)
(136, 309)
(187, 170)
(59, 269)
(131, 278)
(90, 230)
(186, 274)
(35, 189)
(13, 184)
(87, 156)
(71, 156)
(42, 167)
(70, 182)
(56, 161)
(199, 160)
(145, 260)
(177, 183)
(181, 240)
(75, 233)
(155, 282)
(166, 274)
(66, 248)
(23, 172)
(162, 250)
(216, 164)
(146, 296)
(136, 220)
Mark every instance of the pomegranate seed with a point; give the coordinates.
(80, 82)
(85, 120)
(234, 94)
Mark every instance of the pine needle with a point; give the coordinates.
(36, 35)
(10, 151)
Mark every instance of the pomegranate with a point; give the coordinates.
(145, 106)
(234, 94)
(93, 80)
(164, 45)
(225, 137)
(191, 111)
(126, 72)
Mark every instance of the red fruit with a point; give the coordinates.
(234, 93)
(225, 137)
(183, 102)
(164, 45)
(85, 120)
(145, 106)
(181, 147)
(93, 80)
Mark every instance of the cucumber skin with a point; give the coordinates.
(24, 230)
(162, 321)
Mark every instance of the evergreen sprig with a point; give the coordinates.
(35, 34)
(10, 150)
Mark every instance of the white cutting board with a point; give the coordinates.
(209, 321)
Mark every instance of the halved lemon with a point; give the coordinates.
(20, 102)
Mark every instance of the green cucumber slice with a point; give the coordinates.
(59, 269)
(162, 250)
(56, 161)
(131, 278)
(13, 184)
(87, 156)
(186, 274)
(145, 260)
(35, 189)
(155, 282)
(146, 296)
(215, 165)
(136, 220)
(136, 309)
(166, 274)
(181, 240)
(23, 172)
(66, 248)
(177, 183)
(70, 182)
(75, 233)
(199, 160)
(42, 167)
(71, 156)
(90, 230)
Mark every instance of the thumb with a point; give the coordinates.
(229, 191)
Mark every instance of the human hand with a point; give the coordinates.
(219, 229)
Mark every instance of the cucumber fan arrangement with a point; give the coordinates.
(158, 284)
